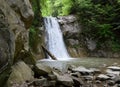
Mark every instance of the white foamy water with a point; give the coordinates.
(54, 39)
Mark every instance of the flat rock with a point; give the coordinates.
(114, 68)
(42, 69)
(83, 70)
(116, 73)
(102, 77)
(95, 70)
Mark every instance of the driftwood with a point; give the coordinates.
(48, 52)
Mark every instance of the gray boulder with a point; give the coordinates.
(41, 69)
(114, 68)
(64, 79)
(82, 70)
(20, 73)
(102, 77)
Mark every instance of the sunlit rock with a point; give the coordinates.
(42, 69)
(20, 73)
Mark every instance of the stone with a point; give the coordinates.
(52, 77)
(20, 73)
(70, 67)
(64, 79)
(76, 74)
(111, 83)
(88, 78)
(91, 44)
(82, 70)
(114, 68)
(98, 82)
(40, 82)
(117, 80)
(52, 83)
(66, 19)
(116, 73)
(95, 70)
(77, 81)
(73, 42)
(102, 77)
(41, 69)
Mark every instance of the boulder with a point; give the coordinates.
(117, 80)
(44, 82)
(77, 81)
(82, 70)
(95, 70)
(20, 73)
(41, 69)
(111, 83)
(114, 68)
(102, 77)
(52, 77)
(64, 79)
(115, 73)
(40, 82)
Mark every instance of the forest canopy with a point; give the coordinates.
(55, 7)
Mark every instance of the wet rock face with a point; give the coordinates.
(71, 30)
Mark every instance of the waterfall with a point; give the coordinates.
(54, 38)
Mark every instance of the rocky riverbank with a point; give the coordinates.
(42, 75)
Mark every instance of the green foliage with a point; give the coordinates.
(100, 19)
(33, 38)
(55, 7)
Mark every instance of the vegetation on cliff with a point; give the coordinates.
(99, 18)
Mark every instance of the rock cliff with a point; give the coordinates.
(71, 29)
(15, 19)
(80, 45)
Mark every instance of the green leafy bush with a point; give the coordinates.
(100, 19)
(56, 7)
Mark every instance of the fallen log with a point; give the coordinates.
(48, 52)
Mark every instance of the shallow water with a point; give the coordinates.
(87, 62)
(62, 65)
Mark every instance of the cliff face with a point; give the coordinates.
(19, 15)
(71, 31)
(16, 15)
(79, 45)
(15, 19)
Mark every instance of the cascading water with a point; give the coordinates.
(54, 38)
